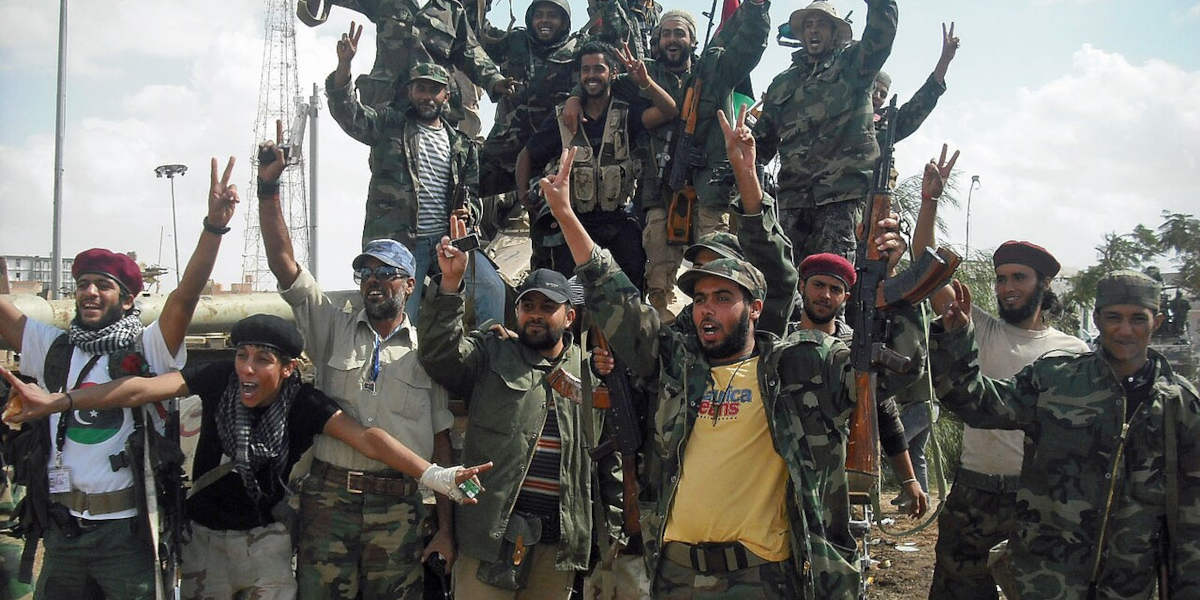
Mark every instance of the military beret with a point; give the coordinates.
(1128, 287)
(431, 71)
(1024, 253)
(722, 242)
(269, 331)
(829, 264)
(115, 266)
(732, 269)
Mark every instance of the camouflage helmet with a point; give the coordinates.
(841, 29)
(736, 270)
(429, 71)
(563, 5)
(1127, 286)
(725, 244)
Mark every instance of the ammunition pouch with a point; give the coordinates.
(511, 571)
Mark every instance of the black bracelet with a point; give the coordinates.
(267, 188)
(209, 227)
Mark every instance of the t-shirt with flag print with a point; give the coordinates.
(94, 435)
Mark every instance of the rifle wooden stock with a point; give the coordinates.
(625, 435)
(862, 448)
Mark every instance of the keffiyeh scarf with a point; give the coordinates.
(255, 441)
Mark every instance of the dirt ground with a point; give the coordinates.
(902, 573)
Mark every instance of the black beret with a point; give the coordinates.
(269, 331)
(1025, 253)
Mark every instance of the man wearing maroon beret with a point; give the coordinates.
(825, 283)
(88, 513)
(980, 511)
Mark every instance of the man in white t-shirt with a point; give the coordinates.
(87, 516)
(979, 513)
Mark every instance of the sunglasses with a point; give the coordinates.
(381, 273)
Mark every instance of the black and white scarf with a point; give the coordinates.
(115, 336)
(253, 440)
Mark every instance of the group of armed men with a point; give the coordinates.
(693, 455)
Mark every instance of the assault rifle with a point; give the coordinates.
(687, 155)
(624, 425)
(874, 296)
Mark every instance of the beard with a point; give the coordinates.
(385, 309)
(676, 63)
(734, 343)
(815, 318)
(111, 315)
(428, 112)
(1017, 315)
(603, 91)
(547, 339)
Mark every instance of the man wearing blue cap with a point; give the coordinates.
(359, 520)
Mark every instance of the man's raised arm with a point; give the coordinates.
(181, 304)
(281, 257)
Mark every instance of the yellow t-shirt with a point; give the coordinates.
(733, 484)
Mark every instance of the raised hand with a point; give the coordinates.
(452, 261)
(557, 191)
(936, 174)
(635, 68)
(957, 313)
(739, 142)
(271, 172)
(347, 46)
(222, 196)
(891, 244)
(949, 43)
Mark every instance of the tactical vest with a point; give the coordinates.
(605, 183)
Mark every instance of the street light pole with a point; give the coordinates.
(974, 184)
(170, 171)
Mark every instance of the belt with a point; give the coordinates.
(98, 504)
(712, 558)
(998, 484)
(359, 482)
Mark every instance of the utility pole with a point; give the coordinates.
(974, 184)
(314, 103)
(59, 133)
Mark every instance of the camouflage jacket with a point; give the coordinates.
(818, 117)
(808, 393)
(1072, 410)
(727, 61)
(910, 116)
(507, 397)
(392, 192)
(407, 34)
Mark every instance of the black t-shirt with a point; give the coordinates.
(225, 504)
(546, 144)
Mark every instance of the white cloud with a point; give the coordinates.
(1102, 148)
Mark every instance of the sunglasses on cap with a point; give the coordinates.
(381, 273)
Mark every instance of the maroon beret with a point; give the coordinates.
(829, 264)
(117, 266)
(1024, 253)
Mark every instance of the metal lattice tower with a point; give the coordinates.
(278, 98)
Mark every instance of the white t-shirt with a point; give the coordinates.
(1004, 350)
(94, 435)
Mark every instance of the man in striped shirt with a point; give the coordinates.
(422, 171)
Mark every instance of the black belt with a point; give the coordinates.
(359, 482)
(712, 558)
(997, 484)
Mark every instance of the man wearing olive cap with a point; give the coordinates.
(981, 509)
(1108, 498)
(82, 497)
(422, 171)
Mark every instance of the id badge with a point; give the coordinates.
(60, 480)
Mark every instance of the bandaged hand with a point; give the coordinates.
(442, 480)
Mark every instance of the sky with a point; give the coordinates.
(1080, 117)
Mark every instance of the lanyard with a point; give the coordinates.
(60, 436)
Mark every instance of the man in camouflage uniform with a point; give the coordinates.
(727, 61)
(817, 116)
(408, 32)
(912, 113)
(1108, 499)
(540, 57)
(791, 393)
(422, 170)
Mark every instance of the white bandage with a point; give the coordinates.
(441, 480)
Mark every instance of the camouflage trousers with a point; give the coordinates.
(972, 521)
(622, 578)
(770, 581)
(664, 258)
(223, 564)
(825, 228)
(358, 545)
